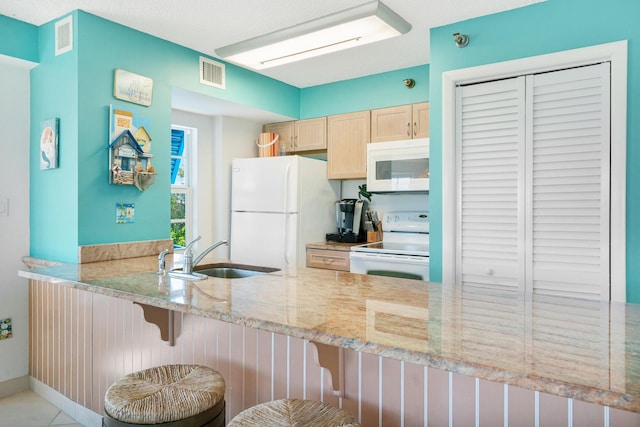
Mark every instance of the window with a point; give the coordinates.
(181, 203)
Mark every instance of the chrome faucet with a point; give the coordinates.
(162, 262)
(189, 262)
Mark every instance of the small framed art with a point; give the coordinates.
(49, 144)
(132, 87)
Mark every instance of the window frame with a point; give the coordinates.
(187, 163)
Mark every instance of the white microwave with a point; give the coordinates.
(398, 165)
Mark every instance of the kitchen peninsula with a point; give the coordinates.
(411, 350)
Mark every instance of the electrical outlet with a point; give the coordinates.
(5, 329)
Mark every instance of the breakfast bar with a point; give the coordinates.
(494, 347)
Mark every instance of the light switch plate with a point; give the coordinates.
(4, 207)
(5, 329)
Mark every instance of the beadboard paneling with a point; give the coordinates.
(82, 342)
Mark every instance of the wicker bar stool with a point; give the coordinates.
(293, 412)
(169, 395)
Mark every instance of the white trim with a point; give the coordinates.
(505, 405)
(188, 159)
(82, 415)
(616, 53)
(14, 386)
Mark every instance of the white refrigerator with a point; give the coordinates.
(278, 205)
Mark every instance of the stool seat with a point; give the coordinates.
(293, 412)
(164, 394)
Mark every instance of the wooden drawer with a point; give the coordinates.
(331, 260)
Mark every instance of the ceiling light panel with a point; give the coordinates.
(357, 26)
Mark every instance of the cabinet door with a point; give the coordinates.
(310, 134)
(391, 124)
(421, 120)
(347, 139)
(285, 130)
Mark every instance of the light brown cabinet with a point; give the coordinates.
(300, 135)
(285, 130)
(328, 259)
(421, 120)
(347, 139)
(401, 122)
(310, 134)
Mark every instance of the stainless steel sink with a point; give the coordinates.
(228, 270)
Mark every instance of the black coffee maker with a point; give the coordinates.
(349, 221)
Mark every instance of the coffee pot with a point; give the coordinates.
(349, 221)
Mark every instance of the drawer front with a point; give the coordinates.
(331, 260)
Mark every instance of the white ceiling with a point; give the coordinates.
(204, 25)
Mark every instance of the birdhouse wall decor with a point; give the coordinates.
(129, 152)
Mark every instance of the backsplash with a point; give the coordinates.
(114, 251)
(382, 202)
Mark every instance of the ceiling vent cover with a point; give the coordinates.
(212, 73)
(64, 35)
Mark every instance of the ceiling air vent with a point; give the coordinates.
(64, 35)
(212, 73)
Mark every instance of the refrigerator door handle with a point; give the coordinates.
(287, 175)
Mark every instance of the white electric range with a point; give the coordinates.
(403, 251)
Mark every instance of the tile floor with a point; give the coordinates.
(27, 409)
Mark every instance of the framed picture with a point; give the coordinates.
(125, 213)
(132, 87)
(49, 144)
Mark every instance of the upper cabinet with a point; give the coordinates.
(310, 134)
(402, 122)
(285, 133)
(345, 136)
(421, 120)
(347, 139)
(300, 135)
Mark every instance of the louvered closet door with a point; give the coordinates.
(568, 178)
(490, 161)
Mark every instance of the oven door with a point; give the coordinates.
(381, 264)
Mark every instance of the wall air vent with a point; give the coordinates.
(64, 35)
(212, 73)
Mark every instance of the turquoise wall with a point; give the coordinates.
(75, 204)
(18, 39)
(365, 93)
(54, 192)
(552, 26)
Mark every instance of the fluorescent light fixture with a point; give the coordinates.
(359, 25)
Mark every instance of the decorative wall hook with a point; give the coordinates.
(462, 40)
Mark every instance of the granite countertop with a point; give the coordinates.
(568, 347)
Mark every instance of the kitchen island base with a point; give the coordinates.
(82, 342)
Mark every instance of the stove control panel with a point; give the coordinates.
(406, 221)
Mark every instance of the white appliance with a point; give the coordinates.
(403, 251)
(398, 165)
(278, 205)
